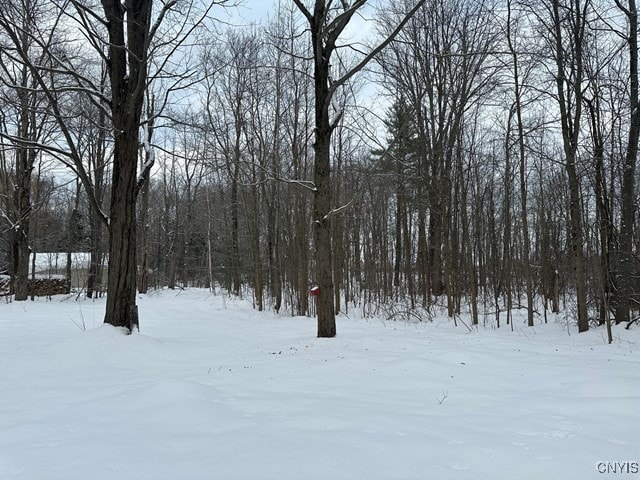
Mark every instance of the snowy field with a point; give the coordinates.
(212, 390)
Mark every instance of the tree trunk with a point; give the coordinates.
(523, 162)
(21, 261)
(143, 278)
(25, 158)
(435, 246)
(94, 278)
(143, 282)
(397, 261)
(627, 192)
(506, 211)
(570, 116)
(275, 285)
(422, 257)
(325, 32)
(121, 290)
(322, 207)
(257, 258)
(235, 235)
(322, 178)
(576, 246)
(128, 75)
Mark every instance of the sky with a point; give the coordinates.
(360, 29)
(256, 11)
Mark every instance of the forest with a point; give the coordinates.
(471, 155)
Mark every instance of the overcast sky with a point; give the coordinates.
(360, 29)
(256, 11)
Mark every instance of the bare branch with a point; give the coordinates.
(347, 76)
(304, 10)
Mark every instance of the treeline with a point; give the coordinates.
(493, 169)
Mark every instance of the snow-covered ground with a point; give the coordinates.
(211, 389)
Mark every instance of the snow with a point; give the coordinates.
(211, 389)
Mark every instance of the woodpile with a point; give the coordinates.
(40, 287)
(46, 287)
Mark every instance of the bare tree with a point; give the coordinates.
(230, 92)
(564, 24)
(19, 22)
(326, 24)
(122, 36)
(129, 33)
(627, 193)
(518, 80)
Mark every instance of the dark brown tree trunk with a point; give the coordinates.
(25, 158)
(399, 220)
(127, 67)
(325, 32)
(96, 224)
(468, 254)
(576, 245)
(275, 285)
(143, 280)
(570, 116)
(523, 162)
(408, 257)
(299, 209)
(322, 202)
(336, 237)
(506, 211)
(435, 245)
(627, 192)
(94, 278)
(257, 257)
(121, 281)
(322, 173)
(603, 217)
(422, 257)
(21, 229)
(301, 260)
(273, 207)
(235, 232)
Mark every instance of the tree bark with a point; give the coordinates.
(22, 204)
(127, 67)
(325, 32)
(25, 159)
(322, 202)
(627, 192)
(570, 123)
(523, 164)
